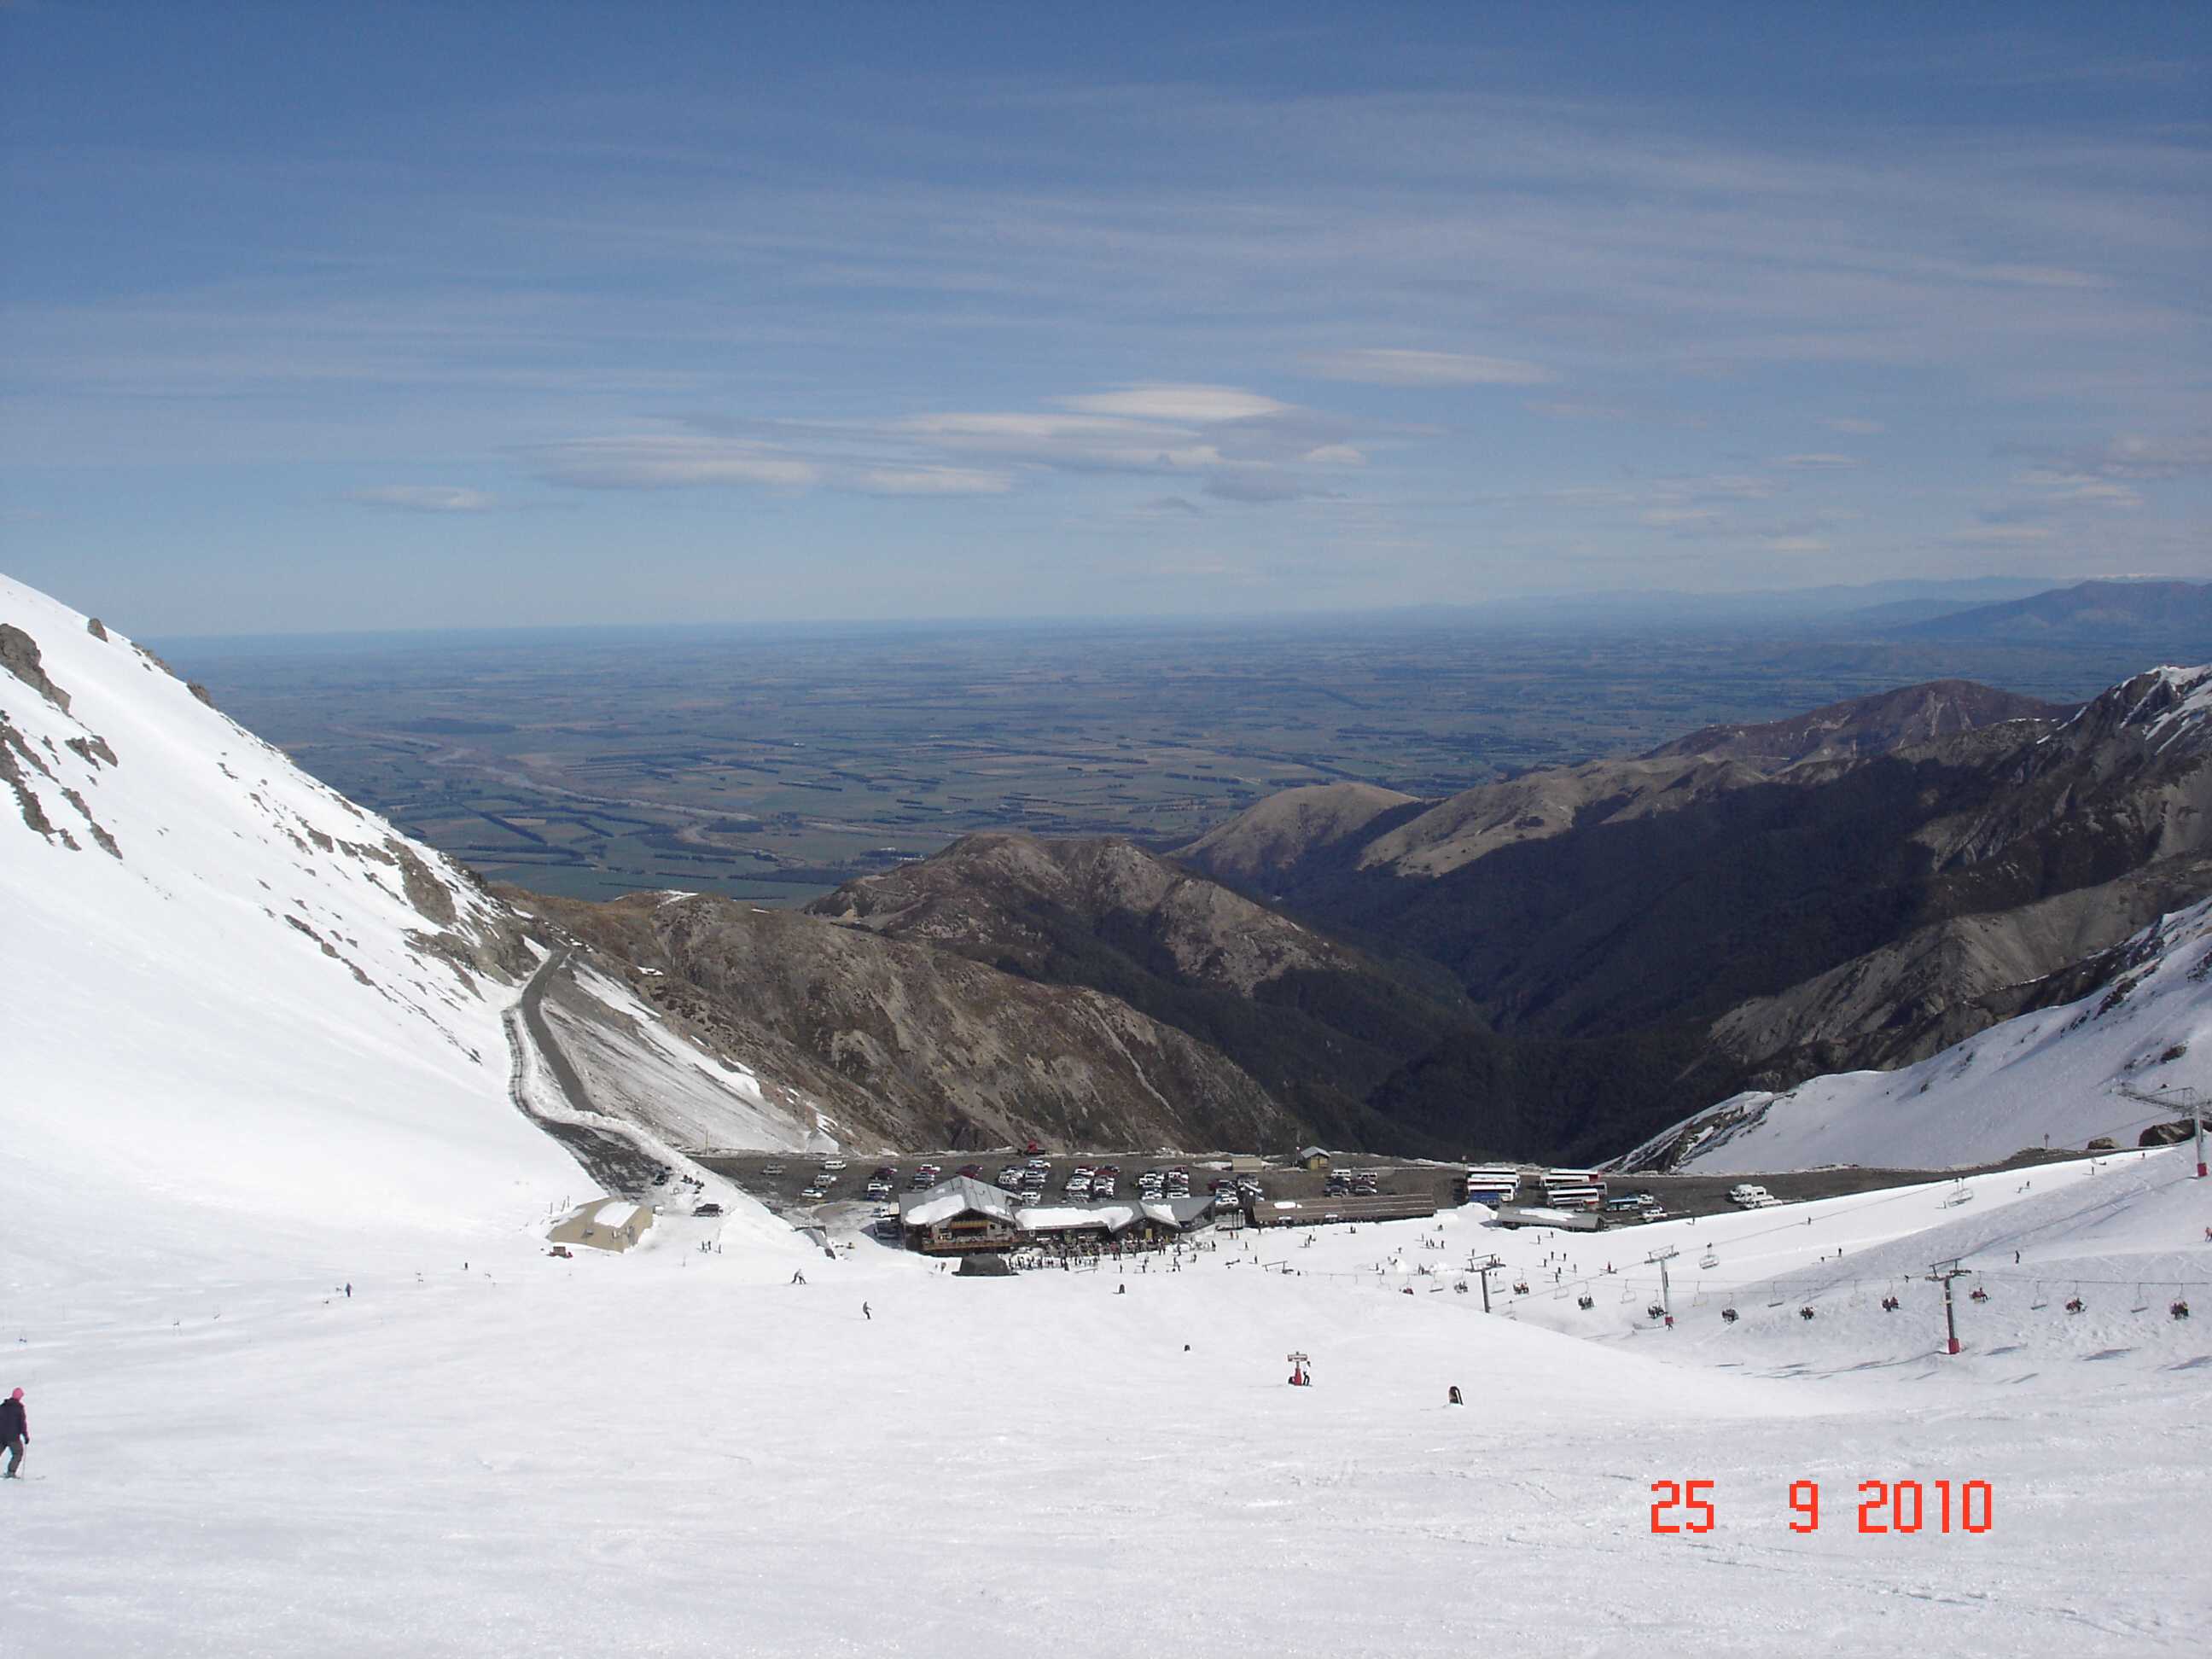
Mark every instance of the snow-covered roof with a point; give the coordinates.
(1178, 1212)
(1305, 1153)
(1073, 1218)
(955, 1197)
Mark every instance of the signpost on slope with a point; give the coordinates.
(1662, 1257)
(1942, 1273)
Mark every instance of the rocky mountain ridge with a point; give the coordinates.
(1277, 840)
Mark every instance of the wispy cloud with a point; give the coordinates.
(1386, 367)
(1199, 404)
(1820, 463)
(664, 461)
(423, 498)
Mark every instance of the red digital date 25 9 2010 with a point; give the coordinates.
(1884, 1506)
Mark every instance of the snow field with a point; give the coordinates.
(684, 1453)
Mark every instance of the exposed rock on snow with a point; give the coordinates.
(19, 655)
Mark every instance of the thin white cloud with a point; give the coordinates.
(1794, 544)
(1195, 403)
(1336, 455)
(1384, 367)
(425, 498)
(1820, 463)
(930, 480)
(663, 461)
(1853, 426)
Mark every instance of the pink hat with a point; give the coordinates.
(18, 1395)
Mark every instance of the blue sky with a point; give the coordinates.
(321, 316)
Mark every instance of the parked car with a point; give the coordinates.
(973, 1171)
(771, 1168)
(833, 1164)
(815, 1191)
(707, 1209)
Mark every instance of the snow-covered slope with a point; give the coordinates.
(2054, 1076)
(238, 1007)
(228, 989)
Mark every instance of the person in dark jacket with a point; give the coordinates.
(14, 1431)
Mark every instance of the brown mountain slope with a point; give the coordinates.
(1275, 834)
(1878, 724)
(1536, 805)
(1011, 894)
(1944, 982)
(923, 1046)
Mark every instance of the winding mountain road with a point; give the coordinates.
(608, 1155)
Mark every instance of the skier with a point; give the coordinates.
(866, 1314)
(349, 1290)
(15, 1433)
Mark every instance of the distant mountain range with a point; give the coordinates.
(2088, 612)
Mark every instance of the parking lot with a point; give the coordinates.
(780, 1180)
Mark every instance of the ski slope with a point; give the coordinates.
(684, 1452)
(2054, 1077)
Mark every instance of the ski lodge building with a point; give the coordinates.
(962, 1216)
(957, 1216)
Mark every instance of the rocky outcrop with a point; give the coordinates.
(19, 655)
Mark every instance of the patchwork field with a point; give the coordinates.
(771, 764)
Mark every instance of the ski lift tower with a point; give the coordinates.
(1662, 1257)
(2189, 1099)
(1942, 1274)
(1485, 1269)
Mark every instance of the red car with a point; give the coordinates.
(973, 1171)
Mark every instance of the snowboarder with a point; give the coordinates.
(349, 1290)
(15, 1433)
(1455, 1398)
(797, 1277)
(868, 1314)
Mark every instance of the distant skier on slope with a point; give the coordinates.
(15, 1433)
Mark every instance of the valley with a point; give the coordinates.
(772, 763)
